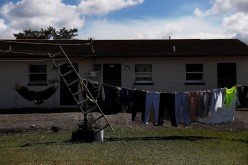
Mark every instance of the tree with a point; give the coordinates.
(65, 34)
(47, 33)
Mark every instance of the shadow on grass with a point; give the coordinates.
(125, 139)
(155, 138)
(182, 138)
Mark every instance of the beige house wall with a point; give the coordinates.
(168, 75)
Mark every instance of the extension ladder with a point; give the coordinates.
(82, 104)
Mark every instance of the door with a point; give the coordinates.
(112, 74)
(65, 96)
(226, 74)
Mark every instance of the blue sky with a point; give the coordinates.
(129, 19)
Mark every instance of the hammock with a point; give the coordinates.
(37, 96)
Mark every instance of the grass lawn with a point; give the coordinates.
(127, 146)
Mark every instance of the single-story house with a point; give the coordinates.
(172, 65)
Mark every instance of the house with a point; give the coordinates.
(172, 65)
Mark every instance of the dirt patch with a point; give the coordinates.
(11, 123)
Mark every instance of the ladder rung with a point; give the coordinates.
(91, 109)
(80, 103)
(99, 117)
(67, 73)
(98, 130)
(62, 63)
(73, 82)
(76, 93)
(54, 55)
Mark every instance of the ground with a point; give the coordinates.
(12, 123)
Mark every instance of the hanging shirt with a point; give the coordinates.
(125, 98)
(110, 105)
(230, 93)
(218, 99)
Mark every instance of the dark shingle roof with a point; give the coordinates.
(125, 48)
(40, 48)
(184, 47)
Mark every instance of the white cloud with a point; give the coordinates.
(224, 6)
(237, 21)
(36, 14)
(234, 16)
(101, 7)
(5, 31)
(184, 27)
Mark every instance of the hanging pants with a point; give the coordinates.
(152, 98)
(182, 109)
(167, 104)
(139, 98)
(242, 96)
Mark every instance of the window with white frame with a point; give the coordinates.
(194, 74)
(37, 74)
(143, 73)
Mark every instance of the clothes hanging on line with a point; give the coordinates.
(125, 98)
(206, 97)
(167, 108)
(96, 90)
(182, 108)
(105, 95)
(139, 102)
(152, 100)
(226, 112)
(189, 106)
(218, 98)
(194, 104)
(110, 105)
(230, 93)
(242, 94)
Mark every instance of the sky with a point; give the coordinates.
(129, 19)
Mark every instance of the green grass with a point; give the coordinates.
(127, 146)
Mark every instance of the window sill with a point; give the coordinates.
(143, 83)
(37, 84)
(195, 83)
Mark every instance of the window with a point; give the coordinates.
(194, 74)
(37, 74)
(143, 73)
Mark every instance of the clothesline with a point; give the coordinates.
(206, 106)
(115, 86)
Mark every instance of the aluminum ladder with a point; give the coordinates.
(82, 104)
